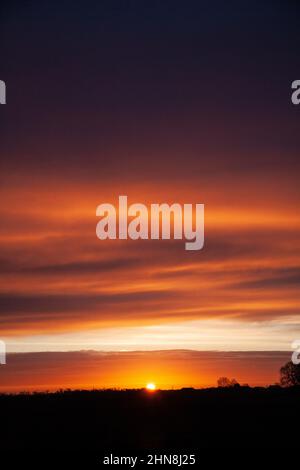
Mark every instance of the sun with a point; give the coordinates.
(151, 387)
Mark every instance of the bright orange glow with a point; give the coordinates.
(151, 387)
(58, 280)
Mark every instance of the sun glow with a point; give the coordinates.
(151, 387)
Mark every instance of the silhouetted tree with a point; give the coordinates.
(225, 382)
(290, 374)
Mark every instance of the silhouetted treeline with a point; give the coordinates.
(136, 419)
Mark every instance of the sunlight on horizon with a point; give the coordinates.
(151, 387)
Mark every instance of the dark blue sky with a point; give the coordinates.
(132, 78)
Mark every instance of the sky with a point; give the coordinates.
(166, 369)
(163, 102)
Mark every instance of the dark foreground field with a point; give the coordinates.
(104, 421)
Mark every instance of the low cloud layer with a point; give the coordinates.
(167, 369)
